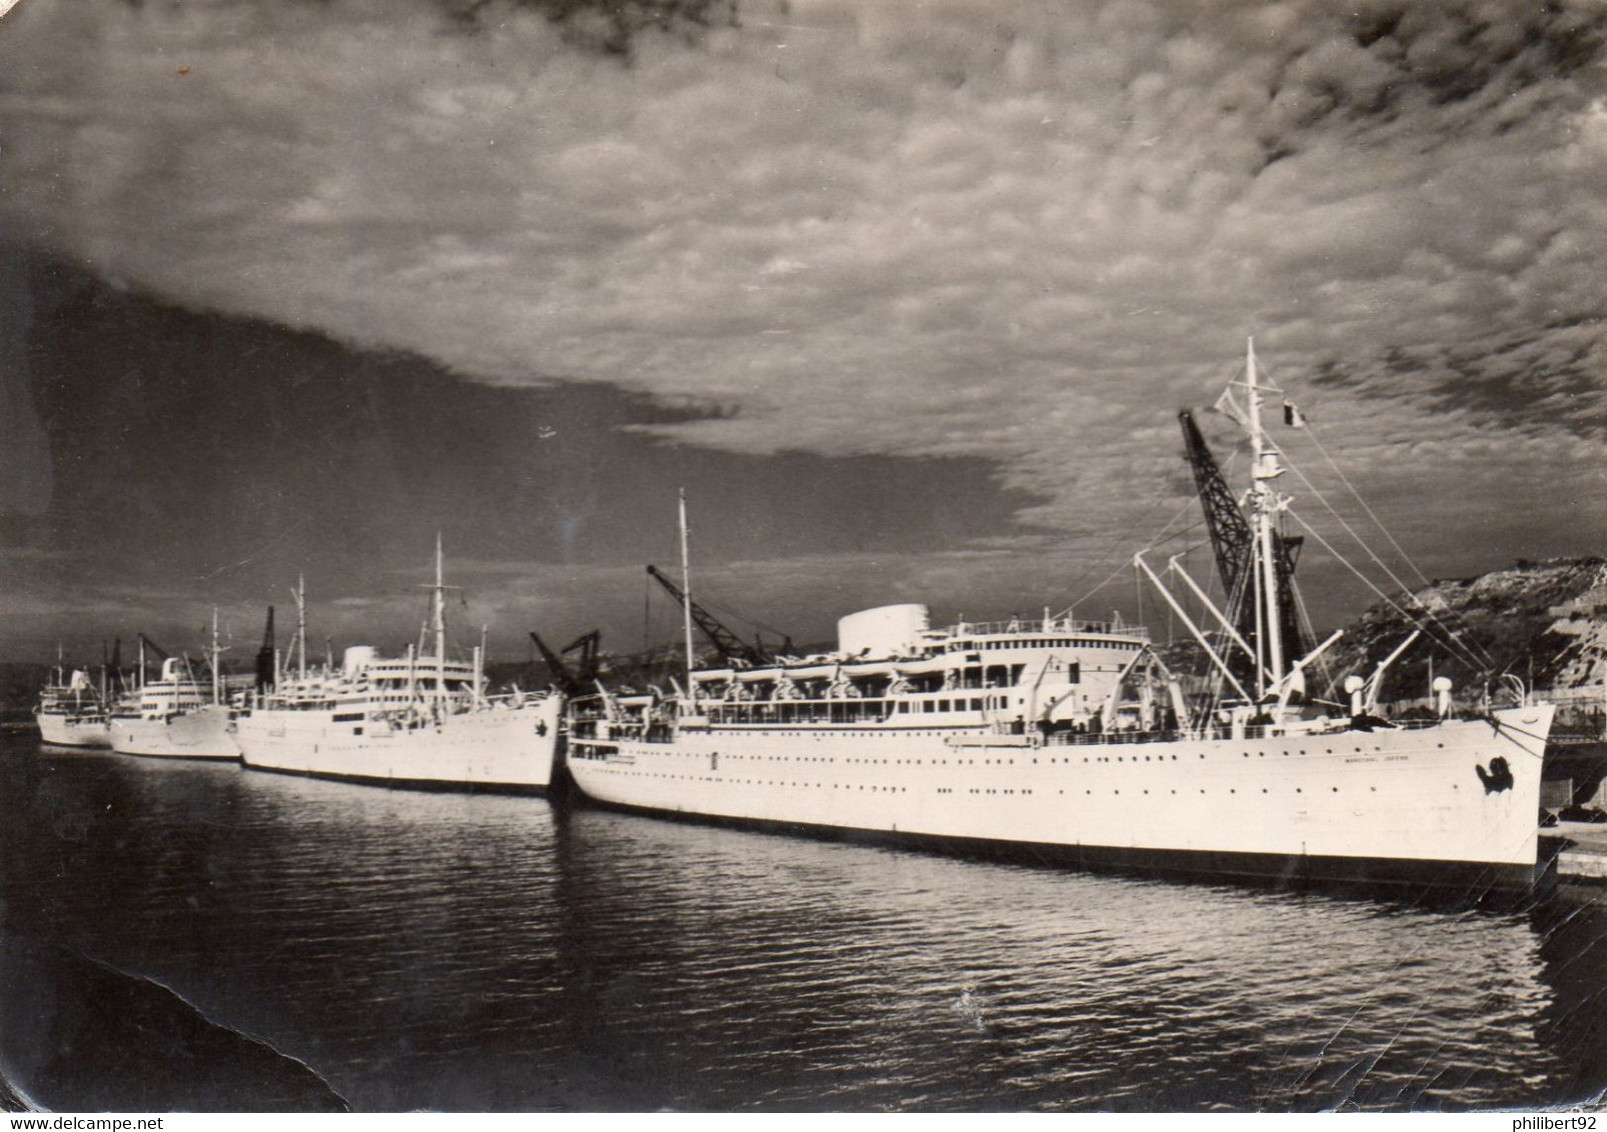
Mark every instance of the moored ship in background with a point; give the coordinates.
(178, 715)
(71, 711)
(1071, 740)
(421, 719)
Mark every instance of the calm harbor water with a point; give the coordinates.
(190, 935)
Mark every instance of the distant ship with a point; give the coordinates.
(71, 712)
(1068, 740)
(416, 720)
(178, 715)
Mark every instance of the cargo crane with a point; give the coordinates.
(267, 667)
(1231, 543)
(571, 682)
(732, 649)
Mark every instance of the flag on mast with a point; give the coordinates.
(1292, 416)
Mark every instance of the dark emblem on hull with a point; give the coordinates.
(1497, 778)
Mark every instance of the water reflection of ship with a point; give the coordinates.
(716, 967)
(1572, 1027)
(1072, 739)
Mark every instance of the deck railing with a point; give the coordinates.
(1037, 627)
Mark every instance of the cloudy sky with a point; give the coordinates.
(906, 294)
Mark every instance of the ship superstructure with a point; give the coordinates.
(1071, 740)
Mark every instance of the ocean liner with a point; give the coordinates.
(71, 712)
(1069, 740)
(421, 719)
(178, 715)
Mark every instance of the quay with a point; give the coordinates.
(1583, 860)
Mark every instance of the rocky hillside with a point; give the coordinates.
(1545, 622)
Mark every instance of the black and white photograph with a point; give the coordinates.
(792, 556)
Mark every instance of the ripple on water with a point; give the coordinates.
(444, 951)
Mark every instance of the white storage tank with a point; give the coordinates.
(887, 630)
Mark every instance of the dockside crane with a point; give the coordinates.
(267, 667)
(570, 681)
(1231, 544)
(732, 649)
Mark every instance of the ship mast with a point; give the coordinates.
(686, 606)
(300, 594)
(439, 615)
(479, 669)
(1265, 504)
(217, 689)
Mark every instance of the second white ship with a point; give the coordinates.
(177, 715)
(416, 720)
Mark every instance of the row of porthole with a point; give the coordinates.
(1231, 790)
(1163, 758)
(1298, 790)
(771, 782)
(1120, 758)
(904, 734)
(827, 759)
(905, 789)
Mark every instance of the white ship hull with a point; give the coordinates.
(504, 748)
(200, 733)
(1387, 805)
(65, 731)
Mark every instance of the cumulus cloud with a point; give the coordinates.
(1026, 232)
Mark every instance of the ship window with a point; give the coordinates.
(942, 705)
(976, 705)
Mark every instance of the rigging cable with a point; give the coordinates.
(1470, 649)
(1159, 537)
(1311, 631)
(1121, 539)
(1449, 644)
(1358, 497)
